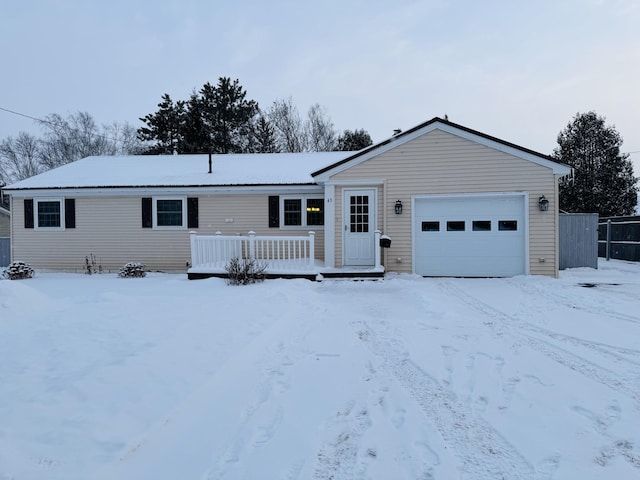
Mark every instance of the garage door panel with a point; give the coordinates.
(496, 248)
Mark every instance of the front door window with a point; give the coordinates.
(359, 213)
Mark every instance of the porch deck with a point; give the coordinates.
(284, 256)
(316, 273)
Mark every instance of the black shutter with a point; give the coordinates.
(69, 213)
(274, 211)
(147, 212)
(28, 213)
(192, 212)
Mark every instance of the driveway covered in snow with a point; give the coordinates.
(526, 378)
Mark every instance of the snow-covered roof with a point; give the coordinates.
(184, 170)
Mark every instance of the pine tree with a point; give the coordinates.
(217, 119)
(352, 141)
(264, 136)
(602, 180)
(165, 127)
(227, 116)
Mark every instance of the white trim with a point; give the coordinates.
(394, 142)
(36, 223)
(355, 183)
(151, 191)
(154, 212)
(470, 196)
(329, 226)
(303, 200)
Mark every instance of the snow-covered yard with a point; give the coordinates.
(405, 378)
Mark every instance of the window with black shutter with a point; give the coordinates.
(192, 212)
(69, 213)
(28, 213)
(274, 211)
(147, 212)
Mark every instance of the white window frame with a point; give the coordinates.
(154, 213)
(303, 198)
(36, 223)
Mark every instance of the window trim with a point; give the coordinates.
(154, 212)
(36, 219)
(303, 198)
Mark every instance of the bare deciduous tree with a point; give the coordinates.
(19, 158)
(78, 136)
(320, 134)
(289, 129)
(65, 140)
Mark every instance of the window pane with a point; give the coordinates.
(315, 211)
(359, 213)
(457, 226)
(430, 226)
(293, 212)
(169, 213)
(482, 225)
(48, 214)
(508, 225)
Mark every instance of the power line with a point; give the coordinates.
(23, 115)
(48, 122)
(104, 136)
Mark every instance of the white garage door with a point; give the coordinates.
(469, 236)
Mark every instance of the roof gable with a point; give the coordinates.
(449, 127)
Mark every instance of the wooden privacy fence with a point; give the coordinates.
(5, 252)
(619, 238)
(284, 253)
(578, 240)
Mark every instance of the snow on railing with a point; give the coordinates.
(277, 252)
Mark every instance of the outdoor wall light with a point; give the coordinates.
(543, 204)
(398, 207)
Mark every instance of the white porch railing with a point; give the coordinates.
(213, 252)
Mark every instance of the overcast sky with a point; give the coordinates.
(518, 70)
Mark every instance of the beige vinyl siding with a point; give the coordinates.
(110, 227)
(442, 163)
(249, 213)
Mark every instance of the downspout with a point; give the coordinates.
(556, 213)
(384, 220)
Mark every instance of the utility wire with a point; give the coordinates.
(97, 134)
(48, 122)
(23, 115)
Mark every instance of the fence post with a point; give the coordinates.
(252, 244)
(376, 248)
(194, 251)
(312, 254)
(608, 239)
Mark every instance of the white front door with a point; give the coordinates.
(359, 226)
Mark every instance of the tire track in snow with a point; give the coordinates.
(552, 294)
(611, 351)
(483, 451)
(563, 357)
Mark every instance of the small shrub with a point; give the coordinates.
(18, 271)
(91, 266)
(132, 270)
(243, 271)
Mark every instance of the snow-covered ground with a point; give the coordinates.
(404, 378)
